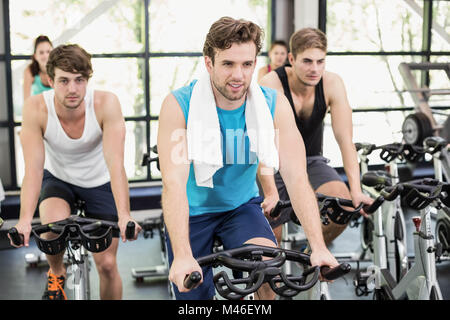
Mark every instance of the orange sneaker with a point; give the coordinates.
(55, 287)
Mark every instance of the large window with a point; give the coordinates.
(141, 51)
(367, 40)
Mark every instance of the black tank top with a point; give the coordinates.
(311, 129)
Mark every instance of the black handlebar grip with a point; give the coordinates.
(336, 272)
(277, 209)
(16, 238)
(192, 280)
(374, 206)
(129, 231)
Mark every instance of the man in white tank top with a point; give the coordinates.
(73, 147)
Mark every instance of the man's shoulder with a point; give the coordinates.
(333, 85)
(183, 97)
(35, 112)
(35, 103)
(103, 96)
(268, 92)
(184, 92)
(331, 79)
(271, 80)
(106, 104)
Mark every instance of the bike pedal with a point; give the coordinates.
(439, 248)
(361, 284)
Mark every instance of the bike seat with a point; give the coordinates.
(376, 179)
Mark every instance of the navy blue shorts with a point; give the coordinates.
(233, 227)
(99, 201)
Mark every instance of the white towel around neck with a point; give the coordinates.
(204, 137)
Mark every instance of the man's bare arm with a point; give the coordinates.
(293, 171)
(31, 138)
(341, 123)
(174, 165)
(267, 181)
(113, 126)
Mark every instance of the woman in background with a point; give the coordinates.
(277, 54)
(35, 79)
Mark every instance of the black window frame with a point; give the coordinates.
(426, 52)
(7, 58)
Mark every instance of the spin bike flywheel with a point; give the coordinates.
(443, 233)
(416, 127)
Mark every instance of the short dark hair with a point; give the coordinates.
(226, 31)
(69, 58)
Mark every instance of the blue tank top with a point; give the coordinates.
(235, 183)
(37, 86)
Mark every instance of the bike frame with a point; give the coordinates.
(78, 279)
(388, 250)
(320, 290)
(441, 165)
(420, 282)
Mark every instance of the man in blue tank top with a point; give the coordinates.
(231, 208)
(312, 92)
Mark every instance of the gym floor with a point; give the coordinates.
(21, 282)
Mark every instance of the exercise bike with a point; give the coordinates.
(391, 225)
(437, 147)
(337, 210)
(79, 235)
(419, 282)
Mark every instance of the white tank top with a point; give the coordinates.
(76, 161)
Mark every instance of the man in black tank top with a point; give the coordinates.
(312, 92)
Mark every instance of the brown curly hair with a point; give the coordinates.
(226, 31)
(69, 58)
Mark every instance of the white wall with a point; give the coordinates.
(306, 14)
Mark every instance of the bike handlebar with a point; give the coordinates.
(336, 272)
(333, 207)
(192, 280)
(16, 238)
(388, 151)
(410, 152)
(418, 194)
(249, 258)
(74, 228)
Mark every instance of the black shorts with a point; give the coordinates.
(319, 172)
(99, 201)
